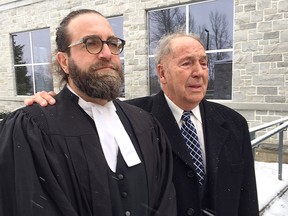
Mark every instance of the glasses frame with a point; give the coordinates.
(108, 42)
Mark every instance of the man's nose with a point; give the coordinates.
(197, 69)
(105, 52)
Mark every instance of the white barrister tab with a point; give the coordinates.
(112, 135)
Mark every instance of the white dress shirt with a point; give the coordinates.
(195, 118)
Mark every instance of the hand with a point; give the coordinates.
(43, 98)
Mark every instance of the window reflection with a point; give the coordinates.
(24, 80)
(21, 45)
(154, 81)
(165, 21)
(43, 78)
(41, 46)
(32, 59)
(220, 76)
(216, 27)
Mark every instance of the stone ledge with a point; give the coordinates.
(269, 153)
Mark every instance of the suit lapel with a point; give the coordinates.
(164, 115)
(215, 135)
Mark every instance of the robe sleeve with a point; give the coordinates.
(166, 196)
(158, 160)
(27, 184)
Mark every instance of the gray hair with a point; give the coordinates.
(164, 44)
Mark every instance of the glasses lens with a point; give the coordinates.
(115, 45)
(94, 45)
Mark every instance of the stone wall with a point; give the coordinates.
(260, 74)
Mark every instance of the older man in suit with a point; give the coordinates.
(222, 180)
(229, 187)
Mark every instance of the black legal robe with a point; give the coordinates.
(51, 161)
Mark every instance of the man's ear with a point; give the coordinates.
(161, 73)
(62, 58)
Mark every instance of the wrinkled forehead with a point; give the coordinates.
(184, 47)
(185, 43)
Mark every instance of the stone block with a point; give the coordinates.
(271, 35)
(267, 58)
(267, 91)
(275, 99)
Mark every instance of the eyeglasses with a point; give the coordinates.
(94, 44)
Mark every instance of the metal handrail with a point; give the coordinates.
(266, 125)
(255, 142)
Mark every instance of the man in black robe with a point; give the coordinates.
(90, 155)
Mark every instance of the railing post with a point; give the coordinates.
(280, 155)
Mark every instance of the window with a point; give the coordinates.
(117, 25)
(212, 21)
(32, 61)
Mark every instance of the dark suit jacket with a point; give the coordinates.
(52, 164)
(230, 186)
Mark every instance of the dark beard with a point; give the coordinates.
(104, 85)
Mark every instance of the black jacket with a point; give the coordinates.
(230, 185)
(52, 164)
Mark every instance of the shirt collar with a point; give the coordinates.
(87, 106)
(177, 111)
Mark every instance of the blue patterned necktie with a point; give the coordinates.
(189, 133)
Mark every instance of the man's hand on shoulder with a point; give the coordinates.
(43, 98)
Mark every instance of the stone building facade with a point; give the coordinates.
(260, 49)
